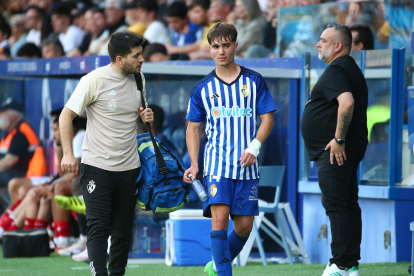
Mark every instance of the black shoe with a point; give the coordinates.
(409, 269)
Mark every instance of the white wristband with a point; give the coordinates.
(254, 147)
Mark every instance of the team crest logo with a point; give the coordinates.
(213, 190)
(112, 105)
(254, 191)
(91, 186)
(245, 90)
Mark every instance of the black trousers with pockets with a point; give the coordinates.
(110, 201)
(339, 188)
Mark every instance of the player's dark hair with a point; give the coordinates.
(29, 50)
(152, 49)
(121, 44)
(344, 33)
(204, 4)
(365, 36)
(178, 9)
(222, 31)
(159, 117)
(148, 5)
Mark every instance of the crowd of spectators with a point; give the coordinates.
(173, 29)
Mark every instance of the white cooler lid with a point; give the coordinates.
(187, 213)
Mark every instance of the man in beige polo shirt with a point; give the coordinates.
(110, 161)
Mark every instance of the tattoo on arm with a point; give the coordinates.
(344, 122)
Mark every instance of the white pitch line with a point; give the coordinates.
(85, 267)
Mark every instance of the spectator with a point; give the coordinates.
(18, 35)
(156, 31)
(5, 33)
(362, 38)
(29, 50)
(99, 25)
(220, 9)
(33, 23)
(70, 36)
(157, 52)
(249, 24)
(132, 18)
(89, 29)
(46, 5)
(182, 32)
(115, 20)
(52, 48)
(18, 144)
(156, 128)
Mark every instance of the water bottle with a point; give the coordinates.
(162, 240)
(198, 188)
(146, 242)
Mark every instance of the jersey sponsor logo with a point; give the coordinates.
(213, 190)
(245, 90)
(91, 186)
(112, 93)
(112, 105)
(235, 111)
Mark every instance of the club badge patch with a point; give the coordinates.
(91, 186)
(213, 190)
(245, 90)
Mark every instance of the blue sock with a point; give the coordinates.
(236, 243)
(221, 252)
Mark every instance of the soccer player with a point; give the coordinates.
(228, 100)
(110, 161)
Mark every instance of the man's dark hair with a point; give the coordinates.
(100, 10)
(121, 44)
(178, 9)
(344, 33)
(62, 10)
(5, 29)
(222, 31)
(56, 112)
(365, 36)
(152, 49)
(29, 50)
(57, 45)
(148, 5)
(204, 4)
(159, 117)
(39, 12)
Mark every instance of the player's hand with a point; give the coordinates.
(193, 170)
(247, 159)
(337, 152)
(146, 115)
(69, 164)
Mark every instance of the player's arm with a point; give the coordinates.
(249, 155)
(69, 163)
(193, 146)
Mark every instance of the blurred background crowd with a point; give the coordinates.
(177, 30)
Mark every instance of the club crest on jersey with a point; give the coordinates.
(112, 105)
(245, 90)
(213, 190)
(91, 186)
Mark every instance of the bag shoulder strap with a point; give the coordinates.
(162, 167)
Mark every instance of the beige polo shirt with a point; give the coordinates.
(112, 101)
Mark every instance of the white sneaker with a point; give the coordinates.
(82, 256)
(333, 270)
(75, 248)
(354, 271)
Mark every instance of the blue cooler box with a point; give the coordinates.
(188, 238)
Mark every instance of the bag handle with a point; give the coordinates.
(162, 168)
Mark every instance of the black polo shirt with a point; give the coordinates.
(320, 116)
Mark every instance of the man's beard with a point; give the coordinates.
(327, 54)
(129, 69)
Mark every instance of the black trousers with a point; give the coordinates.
(339, 188)
(110, 202)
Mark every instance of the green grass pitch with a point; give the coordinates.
(64, 266)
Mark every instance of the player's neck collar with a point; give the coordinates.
(233, 82)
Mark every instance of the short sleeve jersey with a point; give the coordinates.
(319, 119)
(112, 101)
(229, 112)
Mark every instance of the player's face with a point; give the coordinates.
(132, 63)
(326, 45)
(222, 51)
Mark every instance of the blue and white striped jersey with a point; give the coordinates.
(230, 112)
